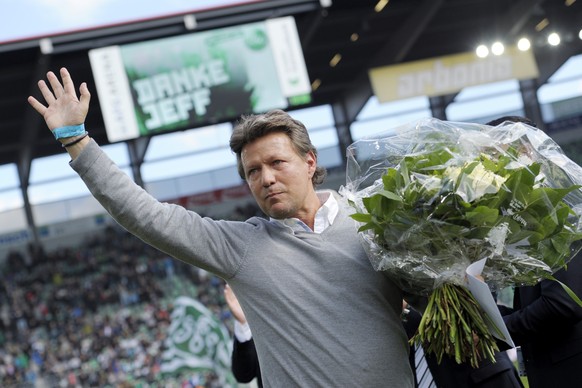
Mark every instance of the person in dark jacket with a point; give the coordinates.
(244, 359)
(546, 322)
(449, 374)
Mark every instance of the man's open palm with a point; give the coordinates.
(63, 107)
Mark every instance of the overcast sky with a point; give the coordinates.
(21, 19)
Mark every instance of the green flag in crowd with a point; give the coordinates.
(197, 342)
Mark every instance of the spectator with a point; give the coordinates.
(245, 363)
(449, 374)
(546, 323)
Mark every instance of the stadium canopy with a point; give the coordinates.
(341, 41)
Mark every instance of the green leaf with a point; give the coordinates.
(389, 195)
(568, 290)
(562, 241)
(392, 180)
(488, 163)
(369, 225)
(361, 217)
(372, 204)
(482, 215)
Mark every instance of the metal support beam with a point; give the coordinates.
(531, 105)
(342, 125)
(515, 19)
(28, 140)
(137, 149)
(313, 22)
(438, 107)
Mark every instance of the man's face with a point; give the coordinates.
(278, 177)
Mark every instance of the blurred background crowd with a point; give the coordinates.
(98, 314)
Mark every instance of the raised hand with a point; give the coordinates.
(63, 107)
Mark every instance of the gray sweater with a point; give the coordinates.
(320, 315)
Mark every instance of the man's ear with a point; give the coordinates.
(311, 161)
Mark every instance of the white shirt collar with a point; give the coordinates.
(324, 216)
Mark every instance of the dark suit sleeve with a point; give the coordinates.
(245, 363)
(448, 373)
(547, 308)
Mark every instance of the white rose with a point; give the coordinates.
(478, 183)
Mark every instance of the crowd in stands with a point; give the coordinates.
(97, 315)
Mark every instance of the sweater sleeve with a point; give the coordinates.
(216, 246)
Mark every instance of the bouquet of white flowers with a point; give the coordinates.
(433, 197)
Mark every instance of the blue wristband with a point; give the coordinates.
(69, 131)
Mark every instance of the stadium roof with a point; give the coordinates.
(405, 30)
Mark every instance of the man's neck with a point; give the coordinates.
(314, 204)
(321, 198)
